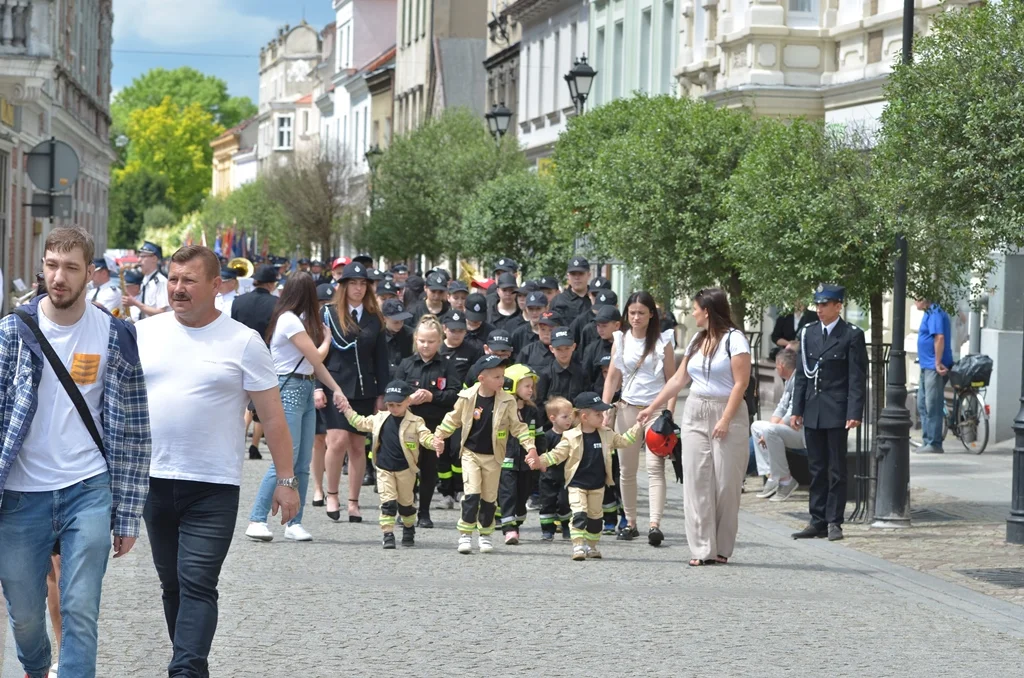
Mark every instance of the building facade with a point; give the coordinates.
(55, 69)
(554, 35)
(439, 58)
(634, 47)
(285, 112)
(502, 63)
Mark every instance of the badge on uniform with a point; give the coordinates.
(411, 445)
(441, 381)
(477, 412)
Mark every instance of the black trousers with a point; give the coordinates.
(513, 492)
(449, 466)
(826, 461)
(554, 498)
(190, 525)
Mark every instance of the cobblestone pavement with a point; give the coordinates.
(342, 606)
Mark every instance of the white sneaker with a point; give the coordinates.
(465, 543)
(259, 532)
(297, 533)
(771, 486)
(786, 490)
(484, 542)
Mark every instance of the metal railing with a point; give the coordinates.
(861, 489)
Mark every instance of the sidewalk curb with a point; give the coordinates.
(991, 612)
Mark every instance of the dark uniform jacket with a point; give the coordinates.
(399, 347)
(522, 337)
(254, 310)
(362, 370)
(536, 356)
(509, 323)
(463, 357)
(480, 334)
(842, 362)
(568, 306)
(555, 380)
(420, 309)
(594, 351)
(439, 377)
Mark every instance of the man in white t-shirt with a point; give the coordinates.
(60, 482)
(152, 297)
(202, 368)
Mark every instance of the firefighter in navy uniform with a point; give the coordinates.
(828, 401)
(438, 376)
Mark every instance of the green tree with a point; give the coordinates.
(184, 86)
(174, 142)
(130, 194)
(652, 191)
(425, 179)
(250, 208)
(158, 216)
(312, 191)
(951, 149)
(508, 216)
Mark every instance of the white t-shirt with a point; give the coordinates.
(197, 380)
(58, 450)
(286, 355)
(715, 379)
(641, 383)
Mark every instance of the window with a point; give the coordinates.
(366, 127)
(376, 132)
(598, 63)
(355, 137)
(668, 46)
(699, 16)
(874, 47)
(539, 79)
(423, 11)
(305, 122)
(284, 124)
(525, 64)
(556, 70)
(645, 51)
(416, 12)
(802, 13)
(617, 58)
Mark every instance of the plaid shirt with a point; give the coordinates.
(125, 415)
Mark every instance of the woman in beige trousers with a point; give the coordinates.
(713, 428)
(643, 360)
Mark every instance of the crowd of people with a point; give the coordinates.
(502, 398)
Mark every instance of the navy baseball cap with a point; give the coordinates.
(599, 283)
(588, 400)
(487, 362)
(605, 298)
(536, 300)
(603, 360)
(608, 314)
(476, 307)
(578, 265)
(393, 309)
(547, 283)
(499, 340)
(506, 265)
(397, 391)
(454, 320)
(506, 280)
(325, 291)
(457, 286)
(550, 319)
(527, 287)
(829, 293)
(562, 336)
(436, 281)
(399, 268)
(387, 287)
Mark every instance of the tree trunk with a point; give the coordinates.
(877, 376)
(737, 304)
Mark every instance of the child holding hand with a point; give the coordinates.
(587, 452)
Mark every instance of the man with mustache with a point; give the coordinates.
(198, 433)
(69, 473)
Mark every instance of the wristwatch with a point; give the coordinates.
(292, 482)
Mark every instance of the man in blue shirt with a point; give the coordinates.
(933, 339)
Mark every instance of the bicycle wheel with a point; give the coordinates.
(972, 422)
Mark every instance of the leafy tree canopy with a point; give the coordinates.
(130, 194)
(184, 86)
(250, 208)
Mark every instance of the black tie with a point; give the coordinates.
(355, 316)
(96, 294)
(824, 332)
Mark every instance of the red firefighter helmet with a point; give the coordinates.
(662, 436)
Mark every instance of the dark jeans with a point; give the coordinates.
(190, 526)
(826, 460)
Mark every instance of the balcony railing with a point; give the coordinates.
(15, 21)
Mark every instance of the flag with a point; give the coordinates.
(202, 238)
(217, 249)
(238, 244)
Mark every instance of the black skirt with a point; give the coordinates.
(333, 419)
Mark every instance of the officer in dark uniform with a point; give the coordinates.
(606, 322)
(436, 301)
(387, 289)
(583, 329)
(507, 319)
(477, 326)
(828, 401)
(524, 335)
(504, 265)
(396, 332)
(537, 355)
(575, 300)
(255, 308)
(555, 380)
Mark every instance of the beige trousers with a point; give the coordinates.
(395, 490)
(629, 462)
(713, 473)
(590, 503)
(480, 475)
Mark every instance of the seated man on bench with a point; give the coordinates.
(771, 438)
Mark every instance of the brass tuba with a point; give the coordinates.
(242, 266)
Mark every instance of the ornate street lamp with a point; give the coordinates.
(373, 156)
(579, 79)
(498, 120)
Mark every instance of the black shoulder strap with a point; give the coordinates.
(65, 379)
(728, 344)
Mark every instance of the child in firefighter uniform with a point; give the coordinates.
(554, 497)
(587, 452)
(487, 415)
(516, 482)
(397, 436)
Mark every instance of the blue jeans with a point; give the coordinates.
(30, 524)
(297, 398)
(930, 404)
(190, 525)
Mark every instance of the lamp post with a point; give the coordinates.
(580, 79)
(498, 120)
(892, 493)
(1015, 523)
(373, 156)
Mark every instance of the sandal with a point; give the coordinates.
(697, 562)
(333, 515)
(322, 501)
(354, 518)
(721, 560)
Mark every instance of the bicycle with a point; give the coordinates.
(968, 420)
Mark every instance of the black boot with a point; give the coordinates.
(408, 536)
(254, 452)
(389, 540)
(425, 521)
(369, 476)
